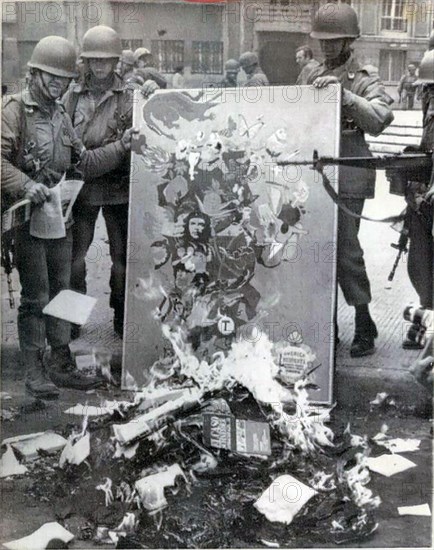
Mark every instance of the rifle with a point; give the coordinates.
(401, 246)
(393, 161)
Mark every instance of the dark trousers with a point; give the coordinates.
(351, 270)
(116, 220)
(421, 255)
(44, 267)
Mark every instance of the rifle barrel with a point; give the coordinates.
(415, 160)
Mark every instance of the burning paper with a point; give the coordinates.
(284, 499)
(41, 537)
(389, 465)
(151, 488)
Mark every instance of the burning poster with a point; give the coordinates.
(226, 243)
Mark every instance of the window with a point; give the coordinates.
(393, 16)
(207, 57)
(392, 65)
(131, 43)
(167, 54)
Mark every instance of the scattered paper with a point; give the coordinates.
(88, 410)
(399, 445)
(389, 465)
(106, 487)
(4, 396)
(283, 499)
(41, 537)
(9, 465)
(127, 451)
(416, 510)
(71, 306)
(151, 488)
(75, 453)
(46, 220)
(379, 398)
(29, 446)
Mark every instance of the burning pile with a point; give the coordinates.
(213, 455)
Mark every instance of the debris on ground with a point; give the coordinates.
(9, 465)
(45, 537)
(416, 510)
(389, 465)
(399, 445)
(29, 446)
(284, 499)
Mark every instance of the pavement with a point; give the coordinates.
(357, 382)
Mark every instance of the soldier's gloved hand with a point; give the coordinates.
(37, 193)
(149, 88)
(323, 81)
(127, 137)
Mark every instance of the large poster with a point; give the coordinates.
(227, 240)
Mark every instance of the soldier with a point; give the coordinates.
(407, 87)
(143, 63)
(418, 189)
(101, 111)
(306, 62)
(232, 68)
(365, 108)
(38, 146)
(126, 64)
(249, 62)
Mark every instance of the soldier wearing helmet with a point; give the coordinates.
(126, 62)
(232, 68)
(418, 188)
(365, 108)
(143, 63)
(249, 62)
(101, 111)
(38, 146)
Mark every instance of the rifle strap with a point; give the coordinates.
(341, 203)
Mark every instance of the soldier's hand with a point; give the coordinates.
(38, 193)
(149, 88)
(323, 81)
(128, 136)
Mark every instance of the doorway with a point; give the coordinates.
(277, 55)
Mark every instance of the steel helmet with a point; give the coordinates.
(140, 52)
(54, 55)
(431, 41)
(247, 59)
(335, 21)
(127, 57)
(426, 69)
(101, 42)
(232, 65)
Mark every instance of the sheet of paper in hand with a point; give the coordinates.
(225, 243)
(48, 220)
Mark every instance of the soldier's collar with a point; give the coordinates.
(28, 99)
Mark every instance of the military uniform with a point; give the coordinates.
(257, 78)
(305, 72)
(39, 145)
(365, 108)
(98, 120)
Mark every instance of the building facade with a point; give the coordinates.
(200, 37)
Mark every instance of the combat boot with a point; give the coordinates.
(64, 373)
(38, 384)
(365, 333)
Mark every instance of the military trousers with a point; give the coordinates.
(421, 254)
(351, 269)
(44, 268)
(116, 220)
